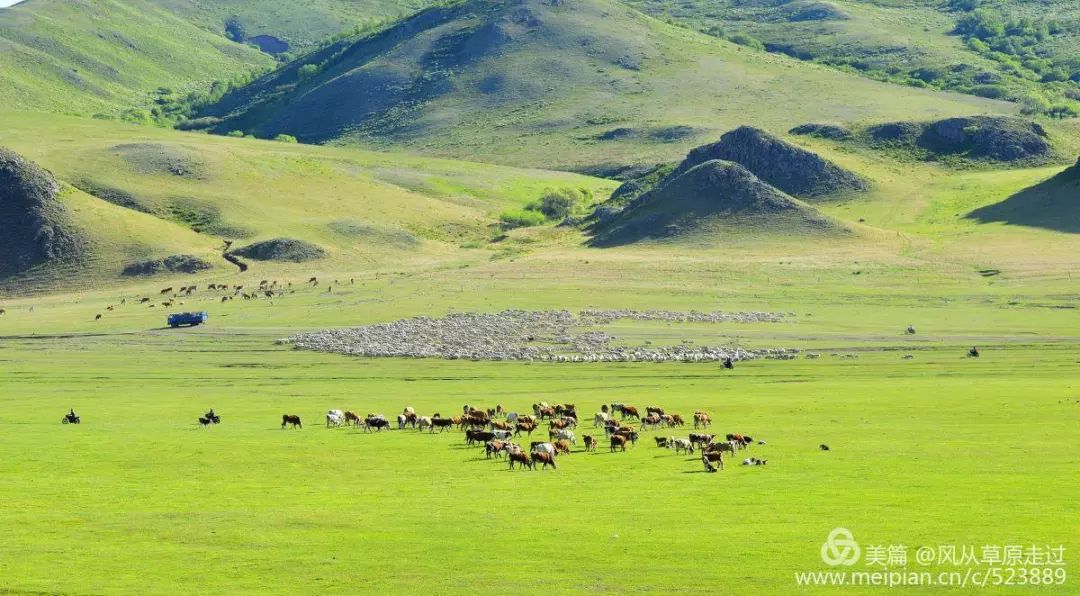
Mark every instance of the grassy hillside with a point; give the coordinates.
(103, 56)
(1026, 52)
(151, 193)
(578, 85)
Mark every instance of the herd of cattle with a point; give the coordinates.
(496, 431)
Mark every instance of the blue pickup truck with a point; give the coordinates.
(188, 318)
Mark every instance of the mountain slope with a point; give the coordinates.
(536, 82)
(708, 202)
(1053, 204)
(102, 56)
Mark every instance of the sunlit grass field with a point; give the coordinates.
(938, 449)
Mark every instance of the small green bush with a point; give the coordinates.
(521, 218)
(747, 40)
(285, 138)
(307, 71)
(236, 133)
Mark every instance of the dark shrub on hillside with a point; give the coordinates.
(170, 264)
(281, 249)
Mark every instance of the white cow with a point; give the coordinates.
(335, 418)
(565, 434)
(503, 435)
(544, 448)
(600, 419)
(683, 445)
(423, 422)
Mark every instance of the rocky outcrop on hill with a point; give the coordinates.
(34, 227)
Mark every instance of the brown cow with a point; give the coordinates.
(654, 410)
(700, 439)
(522, 458)
(500, 425)
(495, 447)
(545, 413)
(352, 417)
(290, 419)
(590, 443)
(563, 423)
(677, 420)
(707, 457)
(562, 446)
(720, 447)
(618, 442)
(630, 411)
(528, 427)
(702, 419)
(652, 420)
(544, 458)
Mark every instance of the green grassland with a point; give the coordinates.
(940, 449)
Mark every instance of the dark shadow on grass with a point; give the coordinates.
(1053, 204)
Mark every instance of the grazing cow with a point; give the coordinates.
(352, 418)
(166, 291)
(523, 459)
(600, 419)
(335, 418)
(402, 421)
(528, 418)
(683, 445)
(376, 421)
(408, 410)
(98, 317)
(204, 421)
(541, 447)
(478, 436)
(740, 441)
(496, 448)
(631, 435)
(649, 410)
(652, 420)
(290, 419)
(504, 435)
(547, 459)
(537, 406)
(546, 413)
(630, 412)
(528, 427)
(423, 422)
(566, 409)
(144, 301)
(702, 419)
(110, 307)
(677, 420)
(701, 440)
(663, 442)
(618, 442)
(707, 457)
(729, 446)
(562, 446)
(590, 443)
(563, 423)
(500, 425)
(443, 424)
(563, 434)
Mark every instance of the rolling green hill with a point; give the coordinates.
(142, 194)
(1024, 51)
(103, 56)
(590, 85)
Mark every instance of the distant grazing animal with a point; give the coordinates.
(500, 425)
(630, 412)
(630, 435)
(98, 317)
(729, 446)
(618, 442)
(542, 447)
(652, 420)
(313, 280)
(713, 456)
(524, 460)
(512, 417)
(702, 419)
(547, 459)
(563, 423)
(700, 439)
(352, 418)
(290, 419)
(496, 448)
(123, 301)
(478, 436)
(376, 421)
(677, 420)
(823, 447)
(204, 421)
(683, 445)
(546, 413)
(528, 427)
(590, 443)
(441, 423)
(423, 422)
(144, 300)
(562, 446)
(563, 434)
(110, 307)
(166, 291)
(663, 442)
(654, 410)
(503, 435)
(600, 419)
(335, 418)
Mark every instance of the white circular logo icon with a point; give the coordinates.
(840, 548)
